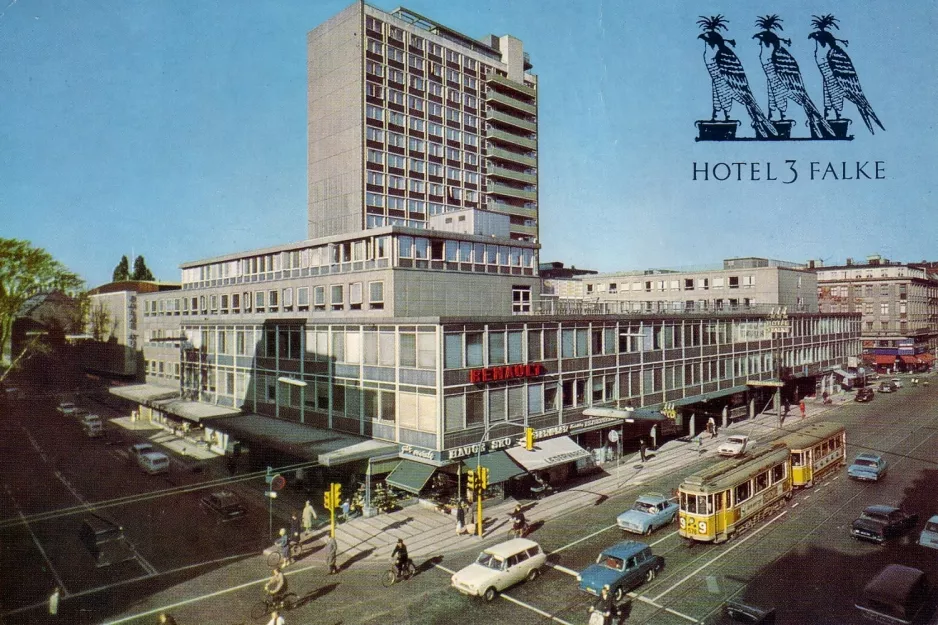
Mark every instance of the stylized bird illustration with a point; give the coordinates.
(729, 77)
(837, 72)
(783, 76)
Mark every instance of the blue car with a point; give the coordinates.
(622, 567)
(650, 511)
(868, 467)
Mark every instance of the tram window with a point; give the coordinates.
(718, 500)
(691, 504)
(762, 481)
(743, 492)
(705, 502)
(778, 473)
(796, 459)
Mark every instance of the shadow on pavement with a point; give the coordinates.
(357, 557)
(316, 594)
(397, 524)
(429, 564)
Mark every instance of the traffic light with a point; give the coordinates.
(336, 494)
(327, 500)
(471, 480)
(483, 478)
(529, 439)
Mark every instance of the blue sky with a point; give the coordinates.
(177, 130)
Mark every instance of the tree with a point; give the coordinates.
(26, 271)
(141, 271)
(99, 322)
(122, 271)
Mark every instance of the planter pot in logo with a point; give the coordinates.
(840, 127)
(783, 128)
(716, 131)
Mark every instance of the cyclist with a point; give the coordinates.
(283, 542)
(276, 586)
(276, 619)
(399, 556)
(518, 522)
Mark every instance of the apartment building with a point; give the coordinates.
(899, 307)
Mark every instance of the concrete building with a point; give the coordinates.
(899, 307)
(408, 119)
(739, 284)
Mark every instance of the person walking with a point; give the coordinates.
(642, 449)
(712, 427)
(309, 513)
(295, 528)
(54, 601)
(332, 550)
(801, 407)
(470, 518)
(346, 506)
(460, 519)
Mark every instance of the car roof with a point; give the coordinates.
(223, 494)
(142, 446)
(866, 456)
(155, 455)
(625, 549)
(510, 547)
(880, 509)
(652, 498)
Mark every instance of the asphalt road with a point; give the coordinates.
(802, 562)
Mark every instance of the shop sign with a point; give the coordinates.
(470, 450)
(419, 452)
(508, 372)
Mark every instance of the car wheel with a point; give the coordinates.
(533, 574)
(619, 593)
(490, 593)
(649, 530)
(650, 575)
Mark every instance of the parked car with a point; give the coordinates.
(897, 594)
(887, 387)
(225, 504)
(929, 535)
(877, 523)
(93, 425)
(67, 408)
(499, 567)
(649, 512)
(864, 394)
(622, 567)
(897, 382)
(735, 445)
(868, 467)
(154, 462)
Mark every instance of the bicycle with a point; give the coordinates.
(392, 576)
(287, 601)
(274, 558)
(518, 531)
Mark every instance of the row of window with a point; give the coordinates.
(417, 62)
(707, 504)
(867, 290)
(400, 37)
(433, 129)
(685, 284)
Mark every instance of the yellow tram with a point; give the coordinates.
(727, 497)
(816, 450)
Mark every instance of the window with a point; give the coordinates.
(337, 298)
(355, 296)
(259, 301)
(417, 124)
(396, 118)
(374, 112)
(288, 298)
(396, 161)
(520, 299)
(273, 300)
(416, 104)
(376, 157)
(302, 298)
(319, 297)
(376, 295)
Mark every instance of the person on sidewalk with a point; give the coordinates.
(712, 427)
(642, 449)
(801, 407)
(470, 518)
(332, 550)
(787, 406)
(309, 513)
(460, 519)
(295, 529)
(346, 506)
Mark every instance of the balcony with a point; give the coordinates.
(513, 139)
(530, 231)
(494, 171)
(511, 209)
(505, 83)
(493, 115)
(506, 191)
(505, 100)
(514, 157)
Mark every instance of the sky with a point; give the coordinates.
(177, 130)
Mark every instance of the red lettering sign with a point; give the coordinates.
(496, 374)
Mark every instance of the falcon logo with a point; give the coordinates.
(784, 82)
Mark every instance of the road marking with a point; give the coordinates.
(533, 609)
(796, 504)
(725, 552)
(36, 540)
(654, 603)
(576, 542)
(563, 569)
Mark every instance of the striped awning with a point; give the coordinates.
(884, 359)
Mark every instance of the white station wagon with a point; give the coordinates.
(499, 567)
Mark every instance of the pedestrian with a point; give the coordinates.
(346, 505)
(54, 601)
(642, 449)
(801, 407)
(295, 528)
(276, 619)
(460, 519)
(309, 513)
(712, 427)
(332, 550)
(470, 518)
(787, 405)
(166, 619)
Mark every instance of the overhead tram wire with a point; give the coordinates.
(142, 497)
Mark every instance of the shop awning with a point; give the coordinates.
(629, 416)
(548, 453)
(193, 410)
(926, 358)
(381, 466)
(501, 467)
(884, 359)
(410, 476)
(356, 450)
(142, 393)
(844, 374)
(909, 360)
